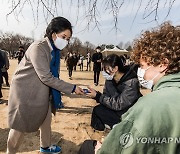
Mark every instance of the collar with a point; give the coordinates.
(49, 44)
(170, 80)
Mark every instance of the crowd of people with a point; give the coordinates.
(121, 108)
(74, 59)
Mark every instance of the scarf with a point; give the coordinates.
(54, 68)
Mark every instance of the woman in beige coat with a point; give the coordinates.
(29, 107)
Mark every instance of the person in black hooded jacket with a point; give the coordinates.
(97, 58)
(2, 63)
(120, 92)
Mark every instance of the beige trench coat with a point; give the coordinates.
(29, 92)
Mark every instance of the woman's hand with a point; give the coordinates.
(79, 91)
(97, 147)
(92, 92)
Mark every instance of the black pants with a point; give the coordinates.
(1, 91)
(96, 77)
(74, 67)
(70, 69)
(0, 84)
(88, 66)
(81, 67)
(5, 75)
(102, 115)
(88, 147)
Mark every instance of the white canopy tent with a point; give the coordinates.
(115, 50)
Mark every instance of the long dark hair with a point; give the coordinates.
(115, 60)
(57, 25)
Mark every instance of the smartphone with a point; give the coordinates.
(86, 91)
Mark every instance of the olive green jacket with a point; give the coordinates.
(152, 125)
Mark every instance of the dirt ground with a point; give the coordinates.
(70, 126)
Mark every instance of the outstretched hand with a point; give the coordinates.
(92, 92)
(79, 91)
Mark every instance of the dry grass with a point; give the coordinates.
(70, 127)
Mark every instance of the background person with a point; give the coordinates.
(34, 81)
(70, 65)
(88, 58)
(81, 59)
(20, 54)
(5, 67)
(97, 59)
(121, 91)
(75, 58)
(155, 115)
(2, 63)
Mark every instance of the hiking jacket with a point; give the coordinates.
(122, 95)
(152, 125)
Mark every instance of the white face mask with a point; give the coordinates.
(98, 50)
(107, 76)
(60, 43)
(145, 83)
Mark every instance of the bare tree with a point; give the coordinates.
(129, 48)
(76, 46)
(89, 47)
(93, 10)
(11, 42)
(120, 45)
(127, 44)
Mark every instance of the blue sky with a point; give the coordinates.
(128, 30)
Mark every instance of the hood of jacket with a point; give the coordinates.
(129, 74)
